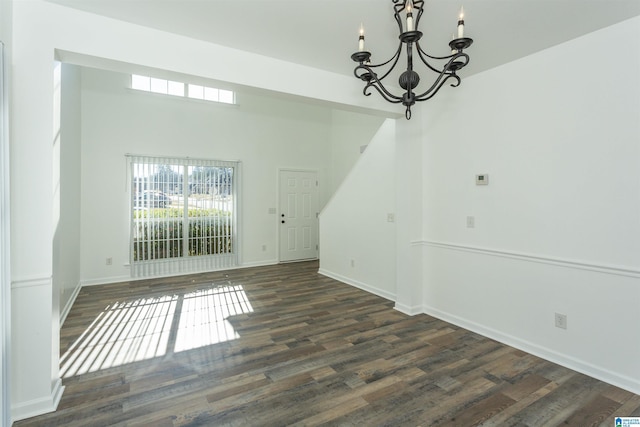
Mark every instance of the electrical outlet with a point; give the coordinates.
(353, 263)
(264, 248)
(391, 217)
(109, 261)
(561, 321)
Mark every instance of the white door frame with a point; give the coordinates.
(278, 201)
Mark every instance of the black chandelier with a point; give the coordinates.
(409, 79)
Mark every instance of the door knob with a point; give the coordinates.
(283, 221)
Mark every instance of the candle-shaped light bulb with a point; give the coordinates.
(410, 26)
(361, 39)
(461, 23)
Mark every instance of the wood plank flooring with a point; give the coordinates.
(283, 345)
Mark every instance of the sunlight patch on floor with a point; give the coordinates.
(145, 328)
(122, 333)
(203, 318)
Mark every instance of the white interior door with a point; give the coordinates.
(298, 215)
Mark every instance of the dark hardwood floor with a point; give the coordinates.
(283, 345)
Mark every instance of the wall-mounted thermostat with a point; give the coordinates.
(482, 179)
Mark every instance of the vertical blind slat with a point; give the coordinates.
(182, 213)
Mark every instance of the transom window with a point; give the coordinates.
(193, 91)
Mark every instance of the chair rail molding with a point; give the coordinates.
(560, 262)
(32, 281)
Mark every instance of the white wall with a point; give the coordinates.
(265, 134)
(409, 216)
(35, 385)
(557, 230)
(357, 242)
(39, 30)
(5, 248)
(36, 35)
(349, 133)
(66, 238)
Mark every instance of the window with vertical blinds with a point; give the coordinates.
(183, 215)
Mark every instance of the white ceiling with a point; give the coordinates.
(323, 33)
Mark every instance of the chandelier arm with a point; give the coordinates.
(368, 75)
(388, 96)
(460, 55)
(364, 76)
(375, 83)
(452, 58)
(421, 54)
(435, 87)
(395, 58)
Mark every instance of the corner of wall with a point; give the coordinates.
(357, 227)
(32, 408)
(69, 303)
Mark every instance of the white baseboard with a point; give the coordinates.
(408, 310)
(120, 279)
(67, 307)
(572, 363)
(56, 395)
(259, 263)
(108, 280)
(40, 406)
(360, 285)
